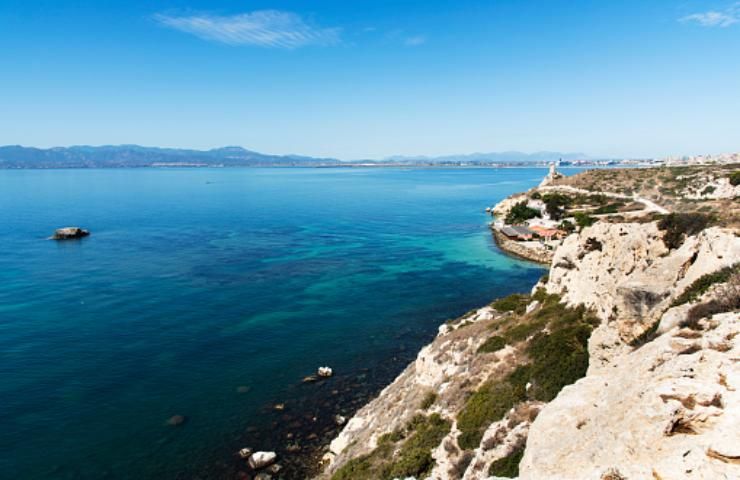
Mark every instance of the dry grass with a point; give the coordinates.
(666, 186)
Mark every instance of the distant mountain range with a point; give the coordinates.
(111, 156)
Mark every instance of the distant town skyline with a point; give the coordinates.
(373, 79)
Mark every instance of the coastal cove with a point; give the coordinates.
(210, 293)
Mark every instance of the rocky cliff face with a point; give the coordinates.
(660, 398)
(668, 408)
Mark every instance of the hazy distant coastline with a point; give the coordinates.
(133, 156)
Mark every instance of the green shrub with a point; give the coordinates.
(583, 220)
(702, 284)
(555, 204)
(523, 329)
(677, 226)
(516, 302)
(507, 466)
(372, 466)
(567, 226)
(520, 213)
(414, 459)
(559, 359)
(708, 190)
(735, 178)
(487, 405)
(428, 400)
(493, 344)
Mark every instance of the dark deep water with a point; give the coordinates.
(196, 282)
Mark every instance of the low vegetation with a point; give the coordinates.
(735, 178)
(428, 400)
(507, 466)
(516, 302)
(403, 453)
(520, 213)
(493, 344)
(583, 220)
(703, 283)
(557, 356)
(726, 299)
(678, 226)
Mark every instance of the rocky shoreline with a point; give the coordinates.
(494, 396)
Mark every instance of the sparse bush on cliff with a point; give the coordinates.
(493, 344)
(735, 178)
(428, 400)
(516, 302)
(559, 357)
(404, 453)
(487, 405)
(677, 226)
(702, 284)
(554, 354)
(727, 300)
(507, 466)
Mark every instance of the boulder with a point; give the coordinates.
(245, 452)
(325, 372)
(69, 233)
(262, 459)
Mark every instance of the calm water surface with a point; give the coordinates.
(198, 282)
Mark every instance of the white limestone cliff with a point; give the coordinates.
(666, 409)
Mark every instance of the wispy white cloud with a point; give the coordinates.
(415, 41)
(713, 18)
(262, 28)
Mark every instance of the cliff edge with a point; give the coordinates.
(622, 363)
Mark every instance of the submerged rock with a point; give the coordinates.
(69, 233)
(177, 420)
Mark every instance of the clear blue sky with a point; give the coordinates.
(371, 78)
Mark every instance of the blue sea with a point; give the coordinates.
(211, 293)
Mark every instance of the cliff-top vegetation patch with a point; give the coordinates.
(680, 189)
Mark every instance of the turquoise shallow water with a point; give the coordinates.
(195, 282)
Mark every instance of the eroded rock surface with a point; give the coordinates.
(664, 405)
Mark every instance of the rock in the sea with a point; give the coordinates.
(339, 419)
(262, 459)
(69, 233)
(177, 420)
(245, 452)
(325, 372)
(242, 389)
(310, 379)
(263, 476)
